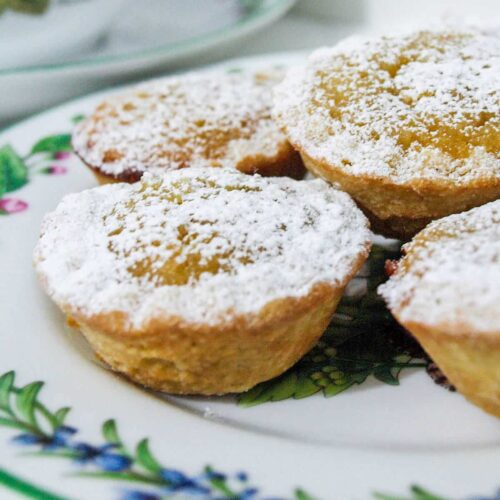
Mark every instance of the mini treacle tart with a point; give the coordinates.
(408, 125)
(213, 119)
(446, 292)
(203, 280)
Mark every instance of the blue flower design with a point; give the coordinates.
(102, 457)
(496, 496)
(179, 482)
(59, 439)
(211, 474)
(242, 476)
(248, 494)
(139, 495)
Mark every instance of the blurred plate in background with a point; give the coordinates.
(147, 37)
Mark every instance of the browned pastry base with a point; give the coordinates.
(401, 211)
(400, 228)
(471, 363)
(182, 358)
(288, 163)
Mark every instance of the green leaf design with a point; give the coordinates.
(28, 6)
(219, 484)
(416, 493)
(302, 495)
(252, 397)
(145, 458)
(362, 340)
(53, 144)
(60, 416)
(77, 118)
(420, 494)
(387, 375)
(26, 402)
(110, 432)
(13, 171)
(305, 387)
(284, 387)
(6, 383)
(383, 496)
(334, 389)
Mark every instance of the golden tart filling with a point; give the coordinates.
(180, 254)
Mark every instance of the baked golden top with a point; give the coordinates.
(198, 243)
(180, 254)
(450, 275)
(216, 119)
(423, 105)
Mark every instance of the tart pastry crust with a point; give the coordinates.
(202, 281)
(212, 119)
(408, 125)
(446, 292)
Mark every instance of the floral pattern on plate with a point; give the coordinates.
(47, 433)
(47, 157)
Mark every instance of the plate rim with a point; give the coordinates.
(263, 15)
(269, 58)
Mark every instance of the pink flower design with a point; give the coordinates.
(57, 170)
(12, 205)
(62, 155)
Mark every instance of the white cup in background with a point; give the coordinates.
(59, 29)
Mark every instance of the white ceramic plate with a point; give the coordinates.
(375, 436)
(148, 36)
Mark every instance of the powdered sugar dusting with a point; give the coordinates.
(214, 118)
(203, 244)
(451, 273)
(423, 105)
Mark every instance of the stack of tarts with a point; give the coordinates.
(191, 276)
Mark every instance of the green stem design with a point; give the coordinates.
(416, 493)
(220, 485)
(25, 488)
(39, 407)
(123, 476)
